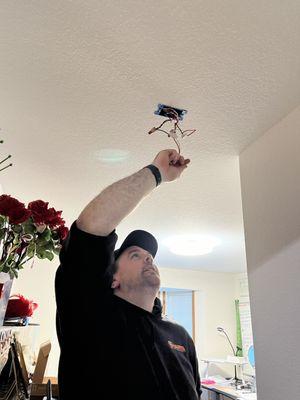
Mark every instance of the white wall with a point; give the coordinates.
(214, 306)
(270, 184)
(37, 283)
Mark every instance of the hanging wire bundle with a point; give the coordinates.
(175, 132)
(9, 156)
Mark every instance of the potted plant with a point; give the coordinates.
(26, 233)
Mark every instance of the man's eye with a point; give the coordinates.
(135, 255)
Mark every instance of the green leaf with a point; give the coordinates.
(45, 254)
(17, 240)
(2, 221)
(31, 249)
(42, 246)
(40, 252)
(13, 273)
(9, 265)
(49, 255)
(5, 268)
(2, 233)
(29, 227)
(46, 235)
(49, 246)
(17, 228)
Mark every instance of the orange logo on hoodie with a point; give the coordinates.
(177, 347)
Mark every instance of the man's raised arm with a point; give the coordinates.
(104, 213)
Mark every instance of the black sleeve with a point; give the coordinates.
(79, 283)
(194, 362)
(86, 253)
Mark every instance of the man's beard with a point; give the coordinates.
(151, 278)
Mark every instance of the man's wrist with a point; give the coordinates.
(156, 173)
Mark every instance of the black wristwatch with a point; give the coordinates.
(156, 172)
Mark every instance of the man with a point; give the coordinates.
(114, 342)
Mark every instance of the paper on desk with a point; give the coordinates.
(219, 380)
(247, 396)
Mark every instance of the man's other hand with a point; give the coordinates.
(170, 164)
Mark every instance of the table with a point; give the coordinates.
(220, 392)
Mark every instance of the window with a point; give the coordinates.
(178, 306)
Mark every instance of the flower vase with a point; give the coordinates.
(5, 289)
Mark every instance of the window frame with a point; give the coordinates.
(162, 294)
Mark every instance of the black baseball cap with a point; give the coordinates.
(139, 238)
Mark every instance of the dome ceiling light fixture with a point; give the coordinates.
(191, 245)
(112, 156)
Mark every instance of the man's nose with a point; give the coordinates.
(148, 259)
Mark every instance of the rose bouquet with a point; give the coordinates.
(26, 233)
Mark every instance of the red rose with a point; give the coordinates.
(53, 218)
(42, 215)
(13, 209)
(39, 211)
(62, 232)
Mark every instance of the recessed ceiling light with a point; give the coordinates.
(191, 245)
(112, 156)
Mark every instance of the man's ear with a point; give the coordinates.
(115, 283)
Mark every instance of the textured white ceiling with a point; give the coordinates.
(77, 77)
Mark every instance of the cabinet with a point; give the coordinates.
(216, 392)
(208, 394)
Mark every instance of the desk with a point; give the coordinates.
(218, 392)
(240, 363)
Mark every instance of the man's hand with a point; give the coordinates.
(170, 164)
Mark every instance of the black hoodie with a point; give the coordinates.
(110, 348)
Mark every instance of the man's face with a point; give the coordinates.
(136, 270)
